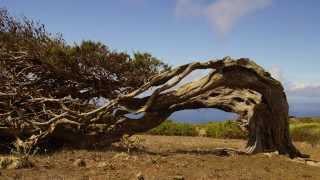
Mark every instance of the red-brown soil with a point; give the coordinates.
(163, 157)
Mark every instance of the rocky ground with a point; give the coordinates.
(162, 157)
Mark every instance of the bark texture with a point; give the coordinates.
(238, 86)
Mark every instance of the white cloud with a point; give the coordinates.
(222, 14)
(304, 89)
(295, 88)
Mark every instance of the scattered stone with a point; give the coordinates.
(306, 161)
(102, 164)
(79, 163)
(313, 163)
(178, 178)
(140, 176)
(271, 154)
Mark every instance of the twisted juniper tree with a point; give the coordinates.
(238, 86)
(44, 93)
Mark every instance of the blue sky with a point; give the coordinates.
(281, 35)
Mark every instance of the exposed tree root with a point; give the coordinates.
(307, 161)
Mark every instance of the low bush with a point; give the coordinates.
(171, 128)
(306, 131)
(228, 129)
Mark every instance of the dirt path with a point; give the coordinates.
(167, 158)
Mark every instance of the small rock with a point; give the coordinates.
(178, 178)
(102, 164)
(79, 163)
(271, 154)
(313, 163)
(140, 176)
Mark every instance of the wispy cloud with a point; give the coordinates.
(296, 88)
(223, 15)
(304, 90)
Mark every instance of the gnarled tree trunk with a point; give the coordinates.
(238, 86)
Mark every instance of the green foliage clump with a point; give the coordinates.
(170, 128)
(228, 129)
(308, 131)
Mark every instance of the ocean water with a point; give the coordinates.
(298, 109)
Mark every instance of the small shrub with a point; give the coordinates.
(308, 132)
(131, 143)
(12, 162)
(170, 128)
(23, 150)
(226, 130)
